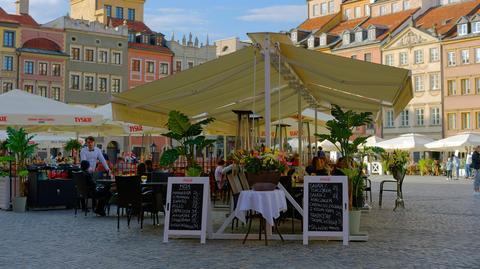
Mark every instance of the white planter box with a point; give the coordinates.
(4, 193)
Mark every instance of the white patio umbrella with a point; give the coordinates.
(410, 142)
(329, 146)
(456, 142)
(19, 108)
(372, 141)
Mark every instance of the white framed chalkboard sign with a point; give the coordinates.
(187, 207)
(325, 212)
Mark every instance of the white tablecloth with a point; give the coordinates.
(267, 203)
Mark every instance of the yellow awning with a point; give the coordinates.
(236, 82)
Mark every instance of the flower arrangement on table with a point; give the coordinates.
(262, 159)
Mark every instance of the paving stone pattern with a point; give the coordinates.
(439, 229)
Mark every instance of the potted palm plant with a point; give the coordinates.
(74, 147)
(20, 143)
(190, 139)
(397, 162)
(341, 131)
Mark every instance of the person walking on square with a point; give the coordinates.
(468, 166)
(449, 166)
(456, 164)
(476, 170)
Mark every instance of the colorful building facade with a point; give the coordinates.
(191, 53)
(102, 10)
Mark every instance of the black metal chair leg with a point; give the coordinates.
(278, 231)
(118, 218)
(248, 230)
(265, 230)
(260, 230)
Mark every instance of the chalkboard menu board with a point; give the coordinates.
(325, 212)
(325, 207)
(186, 207)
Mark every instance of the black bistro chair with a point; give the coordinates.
(398, 189)
(130, 198)
(83, 193)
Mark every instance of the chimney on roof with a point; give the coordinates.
(22, 7)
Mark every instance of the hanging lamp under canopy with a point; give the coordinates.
(217, 87)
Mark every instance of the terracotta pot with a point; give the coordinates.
(263, 180)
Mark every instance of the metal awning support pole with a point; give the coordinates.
(266, 50)
(316, 131)
(300, 131)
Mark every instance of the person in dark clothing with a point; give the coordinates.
(99, 192)
(341, 163)
(149, 166)
(476, 170)
(311, 168)
(320, 152)
(141, 169)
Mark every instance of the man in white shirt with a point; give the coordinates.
(92, 154)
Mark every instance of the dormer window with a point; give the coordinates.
(294, 37)
(311, 42)
(323, 40)
(476, 27)
(346, 38)
(372, 35)
(462, 29)
(359, 36)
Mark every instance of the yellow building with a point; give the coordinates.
(9, 41)
(100, 10)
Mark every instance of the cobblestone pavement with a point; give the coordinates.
(439, 229)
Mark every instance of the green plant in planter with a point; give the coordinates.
(73, 146)
(5, 165)
(341, 130)
(188, 135)
(396, 162)
(19, 142)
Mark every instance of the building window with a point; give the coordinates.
(131, 14)
(396, 7)
(477, 55)
(476, 27)
(389, 59)
(150, 67)
(348, 13)
(383, 10)
(136, 65)
(372, 34)
(119, 12)
(75, 82)
(465, 57)
(465, 120)
(366, 9)
(452, 87)
(434, 81)
(389, 119)
(131, 37)
(43, 69)
(418, 56)
(418, 81)
(406, 4)
(477, 117)
(8, 63)
(358, 12)
(311, 42)
(103, 56)
(452, 121)
(42, 91)
(56, 70)
(323, 40)
(346, 38)
(419, 112)
(102, 84)
(367, 57)
(316, 10)
(465, 84)
(435, 115)
(164, 68)
(28, 88)
(178, 66)
(359, 36)
(75, 52)
(7, 86)
(477, 85)
(451, 58)
(89, 55)
(89, 82)
(403, 58)
(331, 7)
(354, 57)
(434, 55)
(323, 9)
(28, 67)
(9, 39)
(55, 93)
(108, 10)
(116, 84)
(190, 65)
(117, 58)
(404, 118)
(462, 29)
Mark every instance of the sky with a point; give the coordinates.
(219, 19)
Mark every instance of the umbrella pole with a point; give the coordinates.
(266, 50)
(300, 131)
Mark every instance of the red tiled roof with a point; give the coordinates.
(315, 23)
(42, 43)
(20, 19)
(136, 26)
(445, 17)
(155, 48)
(344, 25)
(391, 21)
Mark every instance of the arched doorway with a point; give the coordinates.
(112, 151)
